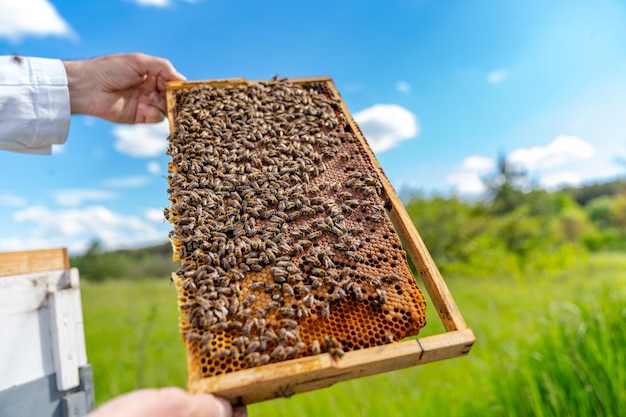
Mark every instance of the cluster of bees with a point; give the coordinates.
(281, 229)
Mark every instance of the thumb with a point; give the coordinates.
(207, 405)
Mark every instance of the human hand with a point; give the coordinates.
(123, 88)
(167, 402)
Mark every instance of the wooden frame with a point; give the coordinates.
(313, 372)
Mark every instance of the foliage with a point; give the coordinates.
(584, 194)
(468, 239)
(150, 262)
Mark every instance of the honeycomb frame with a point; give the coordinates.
(312, 370)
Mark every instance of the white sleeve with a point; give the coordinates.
(34, 104)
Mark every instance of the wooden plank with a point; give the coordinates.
(27, 292)
(24, 262)
(66, 319)
(284, 379)
(25, 348)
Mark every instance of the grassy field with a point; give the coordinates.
(546, 346)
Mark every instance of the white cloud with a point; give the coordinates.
(76, 228)
(155, 215)
(20, 18)
(497, 76)
(385, 125)
(126, 182)
(154, 167)
(403, 87)
(142, 140)
(478, 163)
(12, 200)
(74, 197)
(466, 182)
(561, 179)
(468, 179)
(561, 150)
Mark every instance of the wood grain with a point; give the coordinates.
(25, 262)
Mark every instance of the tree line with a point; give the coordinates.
(519, 228)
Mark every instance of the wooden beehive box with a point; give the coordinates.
(286, 378)
(43, 360)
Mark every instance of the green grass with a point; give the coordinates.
(548, 346)
(131, 328)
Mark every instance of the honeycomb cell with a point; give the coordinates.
(281, 226)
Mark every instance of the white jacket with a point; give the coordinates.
(34, 104)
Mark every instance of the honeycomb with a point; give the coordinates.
(280, 224)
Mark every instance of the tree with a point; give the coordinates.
(506, 187)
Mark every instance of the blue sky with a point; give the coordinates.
(440, 88)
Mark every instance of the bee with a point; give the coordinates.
(247, 328)
(339, 293)
(278, 271)
(257, 285)
(221, 353)
(286, 312)
(376, 283)
(235, 325)
(273, 305)
(357, 292)
(328, 262)
(287, 334)
(288, 289)
(291, 351)
(309, 300)
(240, 341)
(382, 295)
(313, 260)
(234, 306)
(279, 353)
(250, 298)
(336, 352)
(224, 290)
(377, 218)
(315, 347)
(253, 358)
(288, 323)
(302, 311)
(326, 310)
(253, 346)
(219, 327)
(354, 256)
